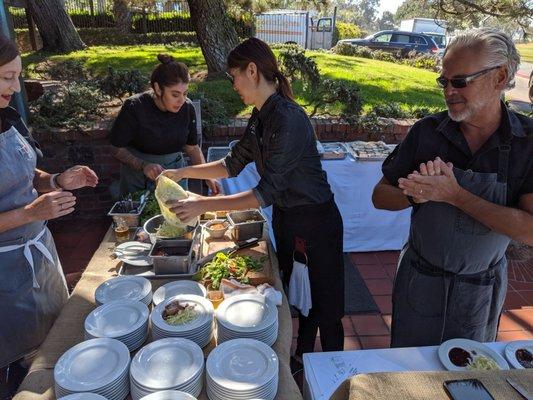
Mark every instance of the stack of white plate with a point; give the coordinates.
(178, 287)
(83, 396)
(247, 316)
(167, 364)
(242, 369)
(169, 395)
(199, 330)
(124, 320)
(98, 366)
(124, 288)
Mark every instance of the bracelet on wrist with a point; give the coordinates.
(54, 184)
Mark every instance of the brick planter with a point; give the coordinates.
(63, 149)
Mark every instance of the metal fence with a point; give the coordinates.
(160, 16)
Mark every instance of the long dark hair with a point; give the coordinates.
(169, 72)
(256, 51)
(8, 50)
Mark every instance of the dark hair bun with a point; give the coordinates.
(165, 58)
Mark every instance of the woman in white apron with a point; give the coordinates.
(32, 285)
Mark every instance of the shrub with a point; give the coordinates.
(63, 70)
(383, 56)
(348, 95)
(112, 37)
(84, 19)
(346, 49)
(345, 30)
(389, 110)
(295, 64)
(213, 111)
(119, 84)
(73, 105)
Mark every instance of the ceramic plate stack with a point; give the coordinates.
(167, 364)
(124, 320)
(169, 395)
(124, 288)
(249, 316)
(178, 287)
(83, 396)
(97, 366)
(199, 330)
(242, 369)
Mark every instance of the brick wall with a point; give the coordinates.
(63, 149)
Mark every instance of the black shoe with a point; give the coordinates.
(296, 366)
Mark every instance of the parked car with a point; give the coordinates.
(393, 41)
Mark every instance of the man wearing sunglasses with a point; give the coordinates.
(468, 174)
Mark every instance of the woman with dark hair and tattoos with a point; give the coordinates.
(154, 128)
(280, 140)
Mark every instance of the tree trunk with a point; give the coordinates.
(123, 16)
(55, 26)
(215, 32)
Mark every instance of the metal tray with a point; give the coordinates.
(149, 273)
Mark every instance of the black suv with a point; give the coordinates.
(393, 41)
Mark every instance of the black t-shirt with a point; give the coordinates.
(141, 125)
(438, 135)
(10, 117)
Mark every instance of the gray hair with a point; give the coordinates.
(497, 47)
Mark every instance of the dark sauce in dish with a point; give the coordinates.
(524, 357)
(459, 357)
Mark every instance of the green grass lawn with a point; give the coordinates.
(379, 81)
(526, 52)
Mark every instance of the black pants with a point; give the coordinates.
(320, 226)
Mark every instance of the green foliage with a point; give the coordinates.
(213, 112)
(346, 30)
(389, 110)
(413, 58)
(84, 19)
(73, 105)
(321, 92)
(295, 64)
(111, 36)
(63, 70)
(122, 83)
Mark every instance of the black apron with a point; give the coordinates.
(452, 274)
(320, 226)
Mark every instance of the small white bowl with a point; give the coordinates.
(216, 233)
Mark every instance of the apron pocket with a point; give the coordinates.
(470, 303)
(14, 272)
(425, 293)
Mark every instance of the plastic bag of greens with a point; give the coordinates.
(166, 190)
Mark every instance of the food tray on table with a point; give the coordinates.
(333, 151)
(149, 273)
(215, 153)
(369, 151)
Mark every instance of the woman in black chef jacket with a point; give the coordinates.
(154, 128)
(280, 140)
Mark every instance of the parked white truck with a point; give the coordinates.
(291, 26)
(435, 28)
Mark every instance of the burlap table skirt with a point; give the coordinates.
(428, 385)
(68, 329)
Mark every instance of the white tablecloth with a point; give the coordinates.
(352, 182)
(324, 372)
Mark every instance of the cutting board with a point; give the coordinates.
(260, 250)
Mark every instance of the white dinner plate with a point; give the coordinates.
(167, 363)
(169, 395)
(91, 365)
(247, 313)
(117, 318)
(203, 306)
(123, 288)
(476, 349)
(242, 364)
(178, 287)
(134, 253)
(83, 396)
(512, 347)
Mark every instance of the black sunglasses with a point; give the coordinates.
(230, 77)
(463, 81)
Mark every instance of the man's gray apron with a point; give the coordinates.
(32, 286)
(132, 180)
(452, 274)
